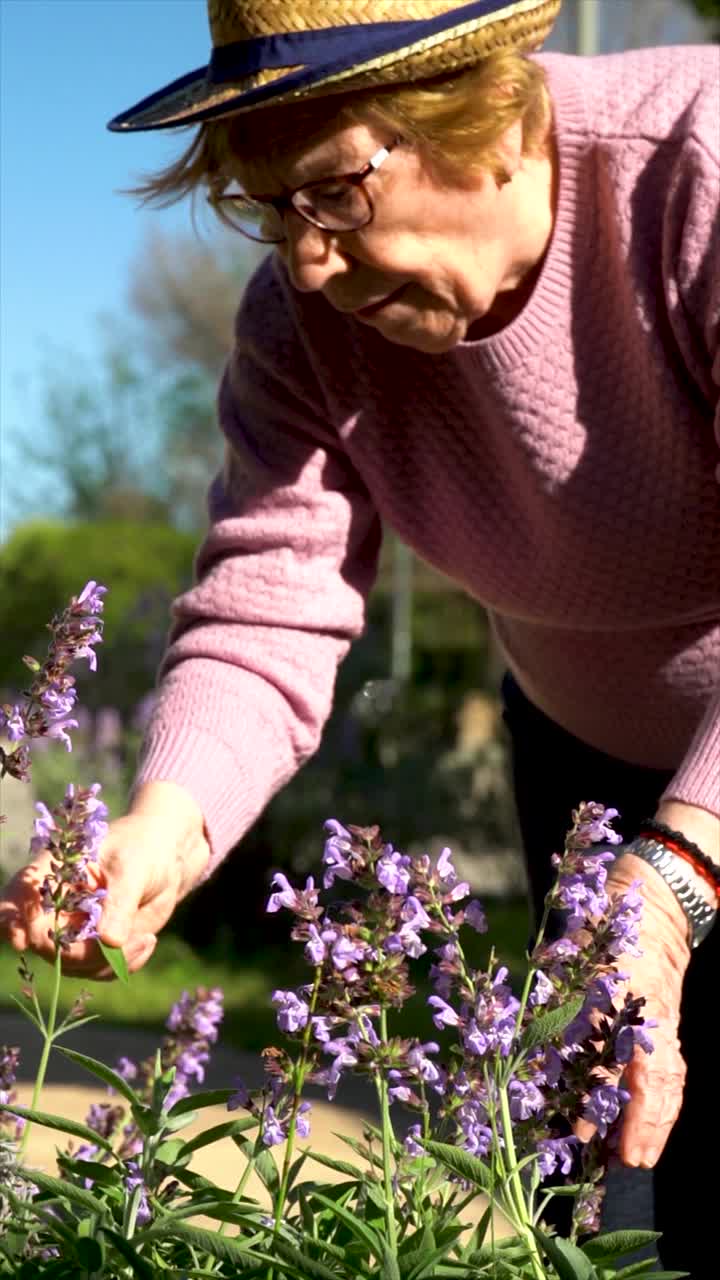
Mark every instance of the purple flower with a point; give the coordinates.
(104, 1118)
(444, 1015)
(542, 989)
(393, 871)
(604, 1106)
(477, 1134)
(475, 916)
(133, 1183)
(407, 941)
(59, 730)
(240, 1098)
(126, 1068)
(12, 723)
(526, 1099)
(445, 869)
(91, 598)
(630, 1036)
(343, 1052)
(555, 1153)
(321, 1028)
(344, 952)
(90, 905)
(410, 1141)
(293, 1013)
(191, 1064)
(273, 1132)
(597, 825)
(623, 923)
(302, 1120)
(336, 856)
(315, 949)
(576, 895)
(193, 1024)
(302, 902)
(58, 703)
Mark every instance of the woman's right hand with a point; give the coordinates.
(149, 861)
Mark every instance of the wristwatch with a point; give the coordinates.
(679, 876)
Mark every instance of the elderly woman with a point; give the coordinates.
(491, 320)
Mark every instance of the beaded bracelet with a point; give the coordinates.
(675, 840)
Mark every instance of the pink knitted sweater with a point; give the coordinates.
(564, 471)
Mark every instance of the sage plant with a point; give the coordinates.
(521, 1071)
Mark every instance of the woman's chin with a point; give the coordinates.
(431, 333)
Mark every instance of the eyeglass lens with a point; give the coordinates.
(338, 206)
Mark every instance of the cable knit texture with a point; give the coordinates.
(563, 471)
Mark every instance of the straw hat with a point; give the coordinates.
(267, 52)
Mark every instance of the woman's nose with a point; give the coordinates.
(312, 256)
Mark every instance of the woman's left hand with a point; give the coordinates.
(654, 1080)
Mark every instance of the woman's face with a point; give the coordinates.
(436, 259)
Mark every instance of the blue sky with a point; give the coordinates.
(67, 238)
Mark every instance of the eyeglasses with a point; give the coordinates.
(332, 204)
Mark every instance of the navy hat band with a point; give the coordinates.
(335, 47)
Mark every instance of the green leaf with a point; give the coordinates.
(360, 1150)
(141, 1268)
(72, 1127)
(649, 1275)
(89, 1253)
(206, 1098)
(340, 1166)
(615, 1243)
(104, 1073)
(666, 1275)
(469, 1168)
(307, 1268)
(223, 1210)
(355, 1225)
(196, 1182)
(173, 1124)
(568, 1260)
(116, 960)
(66, 1191)
(218, 1131)
(57, 1228)
(262, 1162)
(99, 1173)
(218, 1246)
(423, 1264)
(545, 1026)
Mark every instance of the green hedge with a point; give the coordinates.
(43, 563)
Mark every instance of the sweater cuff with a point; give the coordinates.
(697, 781)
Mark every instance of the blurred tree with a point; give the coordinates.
(135, 437)
(709, 9)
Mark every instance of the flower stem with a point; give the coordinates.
(47, 1044)
(301, 1069)
(518, 1194)
(387, 1141)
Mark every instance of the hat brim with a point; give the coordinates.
(308, 63)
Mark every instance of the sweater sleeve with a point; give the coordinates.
(247, 680)
(691, 271)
